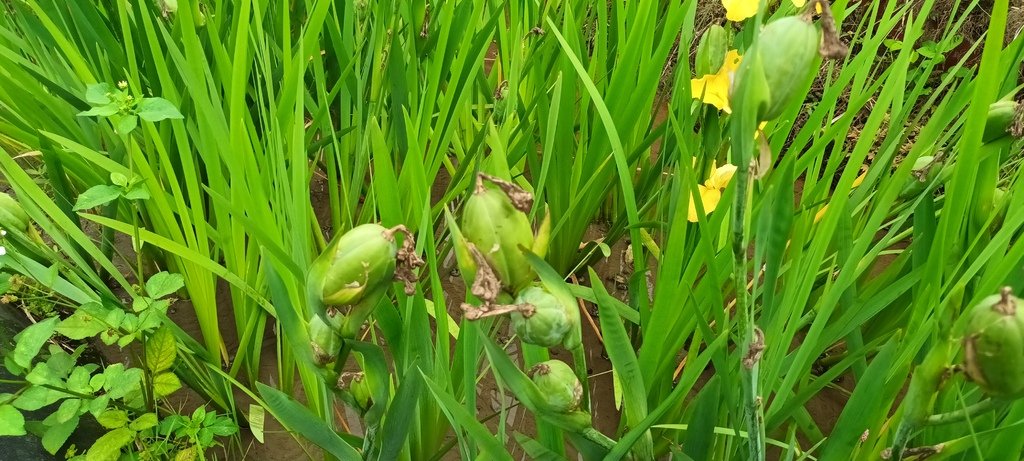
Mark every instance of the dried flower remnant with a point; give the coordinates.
(754, 350)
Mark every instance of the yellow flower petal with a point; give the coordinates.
(691, 213)
(721, 176)
(860, 179)
(801, 3)
(760, 128)
(713, 89)
(731, 63)
(820, 214)
(738, 10)
(709, 198)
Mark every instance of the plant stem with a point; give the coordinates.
(88, 397)
(750, 362)
(135, 210)
(353, 322)
(920, 396)
(963, 413)
(597, 437)
(579, 359)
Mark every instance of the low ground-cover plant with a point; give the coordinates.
(126, 400)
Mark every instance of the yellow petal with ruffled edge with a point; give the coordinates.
(738, 10)
(713, 89)
(720, 176)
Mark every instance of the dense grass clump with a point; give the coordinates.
(483, 229)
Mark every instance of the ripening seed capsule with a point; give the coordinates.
(550, 323)
(994, 345)
(498, 230)
(360, 389)
(355, 264)
(559, 385)
(926, 169)
(999, 204)
(779, 64)
(12, 215)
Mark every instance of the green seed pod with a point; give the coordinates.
(463, 256)
(356, 263)
(360, 389)
(324, 340)
(1000, 118)
(12, 215)
(498, 229)
(559, 385)
(711, 51)
(1000, 199)
(926, 169)
(503, 108)
(551, 320)
(169, 6)
(779, 64)
(994, 346)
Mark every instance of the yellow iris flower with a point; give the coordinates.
(714, 88)
(711, 190)
(739, 10)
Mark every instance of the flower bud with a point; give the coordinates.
(12, 215)
(778, 65)
(355, 264)
(559, 385)
(711, 50)
(994, 346)
(550, 322)
(498, 227)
